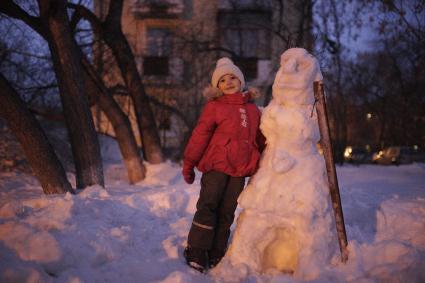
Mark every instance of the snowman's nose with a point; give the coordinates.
(290, 66)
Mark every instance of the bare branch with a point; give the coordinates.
(12, 10)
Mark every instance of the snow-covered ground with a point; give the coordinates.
(137, 233)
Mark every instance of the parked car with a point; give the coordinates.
(356, 155)
(398, 155)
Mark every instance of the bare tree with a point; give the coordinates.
(110, 31)
(402, 42)
(84, 143)
(98, 93)
(331, 30)
(53, 23)
(390, 78)
(40, 154)
(382, 85)
(124, 135)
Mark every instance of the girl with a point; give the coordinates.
(225, 146)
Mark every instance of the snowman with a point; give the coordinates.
(286, 224)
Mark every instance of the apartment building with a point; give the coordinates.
(176, 44)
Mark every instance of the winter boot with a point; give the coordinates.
(214, 257)
(196, 258)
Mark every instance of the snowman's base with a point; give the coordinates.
(274, 244)
(281, 252)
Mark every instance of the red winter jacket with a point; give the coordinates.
(227, 137)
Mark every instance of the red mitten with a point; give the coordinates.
(188, 173)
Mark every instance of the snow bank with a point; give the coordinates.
(137, 233)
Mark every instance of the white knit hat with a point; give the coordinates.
(225, 66)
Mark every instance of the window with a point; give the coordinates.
(155, 66)
(158, 49)
(244, 42)
(244, 34)
(248, 66)
(157, 9)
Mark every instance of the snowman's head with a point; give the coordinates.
(294, 80)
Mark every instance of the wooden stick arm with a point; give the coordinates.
(330, 167)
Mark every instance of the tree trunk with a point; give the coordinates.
(39, 152)
(122, 128)
(145, 119)
(114, 37)
(111, 32)
(84, 143)
(99, 93)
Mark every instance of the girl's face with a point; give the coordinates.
(229, 84)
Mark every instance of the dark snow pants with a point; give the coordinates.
(215, 211)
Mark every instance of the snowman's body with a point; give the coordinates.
(286, 224)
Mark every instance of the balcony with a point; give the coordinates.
(157, 9)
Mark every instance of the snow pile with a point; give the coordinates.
(287, 218)
(397, 252)
(124, 233)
